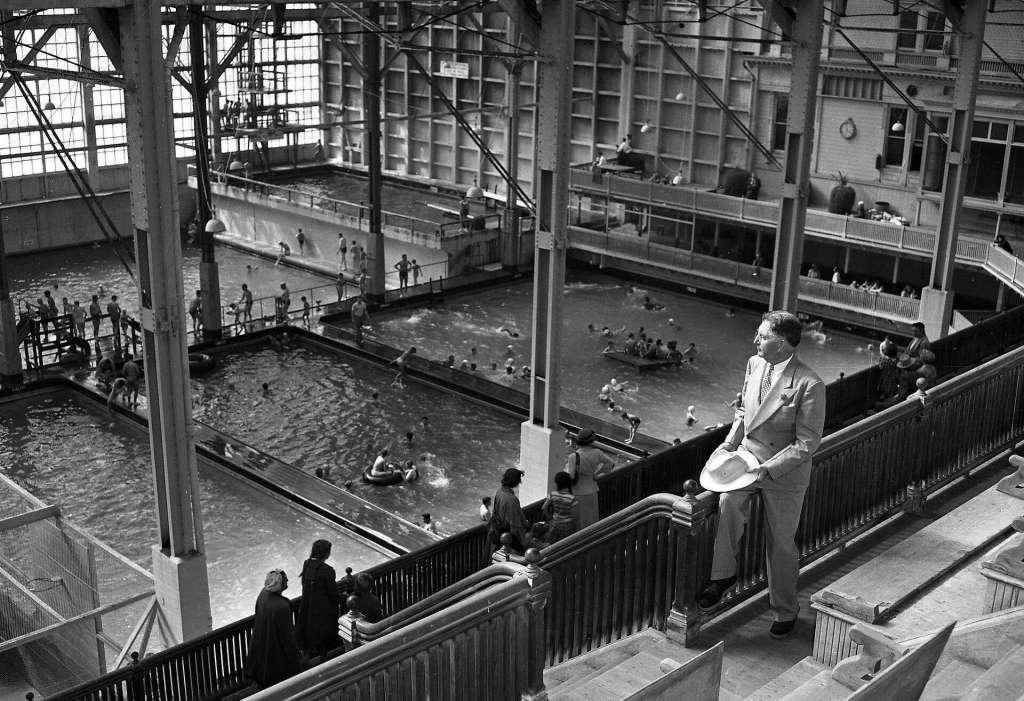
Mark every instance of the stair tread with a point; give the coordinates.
(616, 681)
(569, 674)
(951, 681)
(1003, 680)
(789, 680)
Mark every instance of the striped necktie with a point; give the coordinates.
(766, 383)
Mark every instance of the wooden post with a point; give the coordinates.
(347, 629)
(536, 656)
(690, 530)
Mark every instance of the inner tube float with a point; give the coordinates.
(386, 480)
(200, 362)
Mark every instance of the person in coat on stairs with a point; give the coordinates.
(316, 626)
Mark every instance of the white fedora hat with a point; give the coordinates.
(727, 470)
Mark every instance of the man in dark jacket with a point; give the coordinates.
(316, 626)
(507, 514)
(273, 652)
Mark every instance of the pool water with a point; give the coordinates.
(354, 188)
(724, 341)
(320, 413)
(97, 467)
(78, 272)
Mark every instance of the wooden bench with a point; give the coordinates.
(640, 364)
(877, 590)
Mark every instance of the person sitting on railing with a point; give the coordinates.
(273, 651)
(507, 514)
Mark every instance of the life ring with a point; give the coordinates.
(200, 362)
(386, 480)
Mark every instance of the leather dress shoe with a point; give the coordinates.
(782, 629)
(714, 592)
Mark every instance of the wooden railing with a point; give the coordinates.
(486, 645)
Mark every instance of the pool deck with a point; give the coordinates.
(358, 515)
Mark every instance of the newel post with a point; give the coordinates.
(691, 532)
(347, 629)
(536, 653)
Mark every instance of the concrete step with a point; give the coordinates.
(951, 681)
(593, 663)
(1002, 681)
(616, 682)
(788, 681)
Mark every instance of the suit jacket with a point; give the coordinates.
(785, 429)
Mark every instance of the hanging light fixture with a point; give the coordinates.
(49, 106)
(215, 226)
(678, 178)
(680, 96)
(646, 127)
(474, 191)
(235, 165)
(896, 127)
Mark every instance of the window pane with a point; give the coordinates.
(1015, 176)
(985, 170)
(1018, 134)
(936, 22)
(781, 120)
(907, 39)
(999, 131)
(979, 129)
(895, 140)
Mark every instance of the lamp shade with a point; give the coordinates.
(49, 106)
(474, 191)
(896, 127)
(235, 165)
(646, 127)
(215, 226)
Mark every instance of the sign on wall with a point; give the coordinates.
(454, 69)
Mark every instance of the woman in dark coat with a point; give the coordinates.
(316, 626)
(273, 652)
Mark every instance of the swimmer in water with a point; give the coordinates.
(120, 387)
(265, 390)
(510, 332)
(608, 333)
(691, 418)
(620, 386)
(730, 312)
(525, 372)
(425, 423)
(375, 395)
(610, 348)
(411, 474)
(409, 436)
(650, 305)
(401, 361)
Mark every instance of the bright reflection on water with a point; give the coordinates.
(68, 452)
(661, 397)
(78, 273)
(320, 413)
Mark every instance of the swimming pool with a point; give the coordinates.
(724, 340)
(320, 413)
(78, 272)
(67, 451)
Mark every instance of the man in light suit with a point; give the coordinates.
(780, 421)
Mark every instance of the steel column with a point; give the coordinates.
(209, 276)
(10, 358)
(541, 449)
(796, 185)
(371, 154)
(965, 86)
(511, 247)
(179, 561)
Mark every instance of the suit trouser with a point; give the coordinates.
(781, 518)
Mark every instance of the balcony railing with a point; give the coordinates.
(748, 276)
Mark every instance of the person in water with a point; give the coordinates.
(510, 332)
(381, 468)
(411, 473)
(400, 362)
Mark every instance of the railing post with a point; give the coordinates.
(690, 530)
(347, 629)
(536, 653)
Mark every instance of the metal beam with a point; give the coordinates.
(180, 25)
(11, 50)
(780, 14)
(104, 25)
(525, 16)
(796, 184)
(236, 48)
(965, 92)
